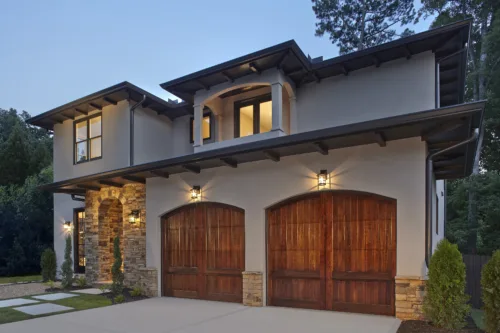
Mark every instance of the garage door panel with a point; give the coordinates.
(298, 292)
(226, 288)
(182, 285)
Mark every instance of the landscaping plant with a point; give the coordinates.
(119, 299)
(137, 291)
(81, 281)
(116, 269)
(48, 265)
(445, 302)
(490, 285)
(51, 284)
(105, 288)
(67, 266)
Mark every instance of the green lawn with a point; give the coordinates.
(15, 279)
(80, 302)
(477, 315)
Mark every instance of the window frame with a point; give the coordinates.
(87, 120)
(437, 214)
(76, 240)
(206, 113)
(255, 102)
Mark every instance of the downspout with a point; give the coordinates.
(428, 191)
(132, 109)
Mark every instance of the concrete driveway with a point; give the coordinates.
(165, 315)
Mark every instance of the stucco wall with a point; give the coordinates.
(397, 87)
(396, 171)
(115, 144)
(63, 211)
(181, 144)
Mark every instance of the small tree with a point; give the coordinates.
(445, 302)
(116, 270)
(48, 265)
(67, 266)
(490, 283)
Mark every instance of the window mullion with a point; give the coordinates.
(88, 140)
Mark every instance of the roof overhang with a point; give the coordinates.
(440, 128)
(288, 57)
(109, 96)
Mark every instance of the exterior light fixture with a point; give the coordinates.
(134, 217)
(67, 225)
(195, 192)
(322, 178)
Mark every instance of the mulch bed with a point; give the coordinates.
(127, 296)
(417, 326)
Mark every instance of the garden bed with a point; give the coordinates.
(418, 326)
(126, 295)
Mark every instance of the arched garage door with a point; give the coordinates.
(333, 250)
(203, 247)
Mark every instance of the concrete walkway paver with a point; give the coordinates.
(169, 315)
(88, 291)
(54, 297)
(41, 309)
(16, 302)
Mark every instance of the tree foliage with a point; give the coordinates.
(48, 264)
(116, 269)
(26, 213)
(358, 24)
(445, 301)
(67, 266)
(490, 287)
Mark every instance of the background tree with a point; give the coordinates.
(357, 24)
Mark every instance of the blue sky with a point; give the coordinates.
(56, 51)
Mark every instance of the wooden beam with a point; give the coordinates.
(135, 179)
(227, 77)
(110, 183)
(89, 187)
(316, 77)
(448, 167)
(272, 155)
(254, 68)
(81, 111)
(159, 173)
(442, 145)
(407, 51)
(191, 168)
(441, 128)
(445, 82)
(203, 85)
(295, 71)
(229, 162)
(96, 106)
(110, 101)
(451, 161)
(344, 69)
(282, 60)
(376, 61)
(380, 139)
(321, 148)
(447, 68)
(66, 116)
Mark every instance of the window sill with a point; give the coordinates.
(92, 159)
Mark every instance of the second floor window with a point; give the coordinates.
(205, 126)
(252, 116)
(88, 138)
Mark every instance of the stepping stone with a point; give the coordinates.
(90, 291)
(41, 309)
(15, 302)
(54, 297)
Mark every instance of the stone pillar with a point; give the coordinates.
(277, 107)
(252, 289)
(294, 117)
(197, 126)
(410, 291)
(149, 281)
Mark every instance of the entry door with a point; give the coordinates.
(203, 249)
(333, 250)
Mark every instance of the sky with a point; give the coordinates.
(53, 52)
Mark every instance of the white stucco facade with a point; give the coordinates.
(396, 171)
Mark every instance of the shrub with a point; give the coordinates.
(119, 299)
(137, 291)
(490, 284)
(105, 288)
(445, 299)
(67, 266)
(116, 269)
(81, 281)
(48, 265)
(51, 284)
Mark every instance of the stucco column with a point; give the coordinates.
(294, 117)
(277, 106)
(197, 128)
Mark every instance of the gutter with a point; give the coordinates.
(428, 192)
(132, 113)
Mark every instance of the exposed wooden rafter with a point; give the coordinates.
(110, 183)
(380, 139)
(376, 61)
(191, 168)
(96, 106)
(203, 85)
(231, 162)
(110, 101)
(227, 77)
(344, 69)
(407, 52)
(81, 111)
(321, 147)
(282, 60)
(254, 68)
(441, 128)
(272, 155)
(159, 173)
(135, 179)
(89, 187)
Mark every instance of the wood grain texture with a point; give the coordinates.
(333, 250)
(203, 248)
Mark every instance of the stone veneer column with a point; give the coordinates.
(252, 288)
(410, 291)
(149, 281)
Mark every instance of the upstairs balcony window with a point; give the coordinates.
(88, 138)
(253, 116)
(205, 124)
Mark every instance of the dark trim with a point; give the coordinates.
(206, 113)
(134, 179)
(87, 120)
(231, 162)
(110, 183)
(321, 147)
(76, 225)
(380, 138)
(89, 187)
(191, 168)
(162, 174)
(272, 155)
(255, 101)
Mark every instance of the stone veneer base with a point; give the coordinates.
(252, 289)
(410, 291)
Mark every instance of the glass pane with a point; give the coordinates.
(81, 151)
(246, 120)
(266, 116)
(81, 131)
(206, 127)
(95, 147)
(95, 127)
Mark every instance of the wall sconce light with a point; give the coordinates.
(67, 225)
(195, 192)
(134, 217)
(322, 178)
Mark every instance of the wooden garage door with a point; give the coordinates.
(203, 247)
(333, 250)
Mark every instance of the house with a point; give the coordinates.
(278, 180)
